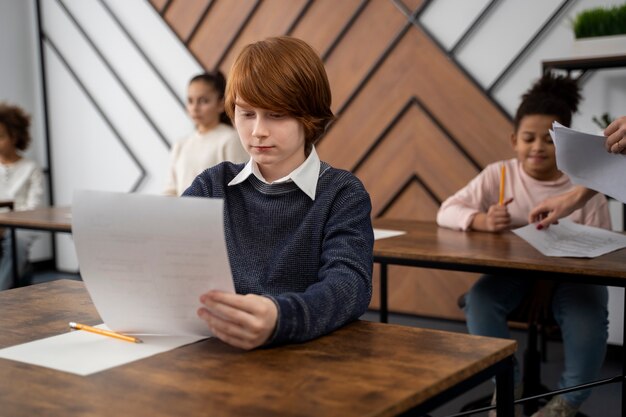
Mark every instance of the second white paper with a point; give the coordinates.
(584, 159)
(146, 259)
(83, 353)
(571, 239)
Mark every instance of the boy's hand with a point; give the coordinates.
(243, 321)
(496, 219)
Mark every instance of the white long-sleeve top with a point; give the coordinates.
(21, 182)
(199, 151)
(458, 211)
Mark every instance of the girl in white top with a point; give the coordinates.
(214, 139)
(21, 181)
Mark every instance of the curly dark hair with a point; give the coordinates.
(17, 123)
(552, 94)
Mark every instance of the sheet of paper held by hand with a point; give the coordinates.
(584, 159)
(571, 239)
(146, 259)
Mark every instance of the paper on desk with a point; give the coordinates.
(85, 353)
(584, 159)
(146, 259)
(385, 233)
(571, 239)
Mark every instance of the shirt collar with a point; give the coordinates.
(305, 176)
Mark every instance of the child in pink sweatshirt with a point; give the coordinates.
(531, 177)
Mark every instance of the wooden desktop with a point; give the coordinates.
(362, 369)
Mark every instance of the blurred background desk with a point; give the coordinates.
(47, 219)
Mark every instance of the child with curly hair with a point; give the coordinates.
(21, 181)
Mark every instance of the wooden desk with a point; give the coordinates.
(47, 219)
(50, 219)
(7, 203)
(362, 369)
(428, 246)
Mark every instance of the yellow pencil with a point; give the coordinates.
(502, 178)
(103, 332)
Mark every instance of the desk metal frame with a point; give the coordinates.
(49, 219)
(385, 261)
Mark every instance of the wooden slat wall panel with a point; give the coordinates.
(415, 67)
(219, 29)
(158, 4)
(265, 22)
(412, 5)
(183, 15)
(335, 15)
(413, 147)
(361, 48)
(410, 125)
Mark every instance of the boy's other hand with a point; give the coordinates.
(243, 321)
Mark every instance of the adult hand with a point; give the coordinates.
(616, 136)
(243, 321)
(552, 209)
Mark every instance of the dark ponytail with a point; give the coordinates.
(216, 80)
(553, 95)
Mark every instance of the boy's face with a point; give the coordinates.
(204, 105)
(274, 140)
(534, 148)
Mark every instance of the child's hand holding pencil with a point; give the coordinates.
(497, 217)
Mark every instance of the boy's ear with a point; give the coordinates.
(513, 140)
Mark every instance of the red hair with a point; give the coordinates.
(283, 74)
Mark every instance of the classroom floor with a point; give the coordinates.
(605, 401)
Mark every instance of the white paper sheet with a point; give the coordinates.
(584, 159)
(571, 239)
(83, 353)
(385, 233)
(146, 259)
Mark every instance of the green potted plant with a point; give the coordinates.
(600, 31)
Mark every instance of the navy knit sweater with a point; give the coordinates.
(313, 258)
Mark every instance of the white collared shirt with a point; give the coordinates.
(305, 176)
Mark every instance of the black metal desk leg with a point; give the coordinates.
(14, 261)
(383, 293)
(504, 390)
(624, 360)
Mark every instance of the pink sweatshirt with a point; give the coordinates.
(483, 191)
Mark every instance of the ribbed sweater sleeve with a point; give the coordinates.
(344, 289)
